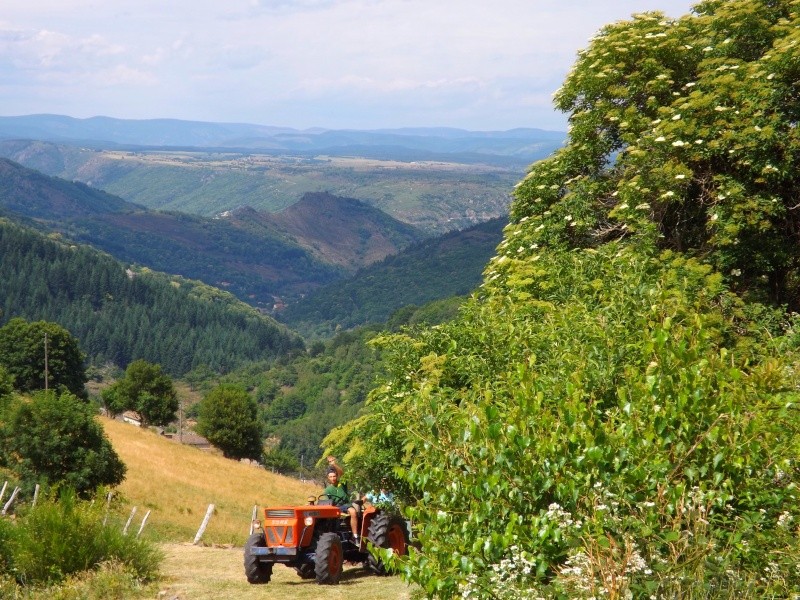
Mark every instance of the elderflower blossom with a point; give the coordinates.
(784, 519)
(678, 143)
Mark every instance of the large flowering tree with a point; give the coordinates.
(614, 412)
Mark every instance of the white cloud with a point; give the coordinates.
(465, 63)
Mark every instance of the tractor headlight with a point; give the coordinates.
(308, 521)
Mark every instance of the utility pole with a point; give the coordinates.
(46, 373)
(180, 420)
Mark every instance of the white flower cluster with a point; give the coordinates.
(510, 579)
(556, 514)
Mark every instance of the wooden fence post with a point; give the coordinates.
(144, 520)
(3, 491)
(125, 529)
(10, 500)
(35, 495)
(108, 507)
(202, 529)
(253, 519)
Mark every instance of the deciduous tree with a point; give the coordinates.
(54, 439)
(228, 418)
(613, 413)
(147, 390)
(31, 350)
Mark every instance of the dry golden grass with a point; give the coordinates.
(177, 483)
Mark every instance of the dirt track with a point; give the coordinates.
(216, 573)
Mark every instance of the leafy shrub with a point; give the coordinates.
(58, 538)
(110, 581)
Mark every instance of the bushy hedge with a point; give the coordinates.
(61, 537)
(633, 429)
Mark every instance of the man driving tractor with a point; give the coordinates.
(339, 496)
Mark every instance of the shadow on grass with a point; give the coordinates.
(350, 576)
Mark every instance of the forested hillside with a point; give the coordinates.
(343, 232)
(450, 265)
(121, 314)
(255, 265)
(302, 396)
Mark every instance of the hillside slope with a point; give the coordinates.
(177, 483)
(120, 314)
(254, 263)
(449, 265)
(340, 231)
(436, 194)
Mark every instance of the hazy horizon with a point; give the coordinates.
(302, 64)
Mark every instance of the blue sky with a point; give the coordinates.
(361, 64)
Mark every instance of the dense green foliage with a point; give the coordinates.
(144, 389)
(687, 130)
(63, 536)
(32, 351)
(53, 439)
(615, 412)
(253, 267)
(120, 315)
(446, 266)
(302, 397)
(228, 418)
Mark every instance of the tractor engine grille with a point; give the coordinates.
(280, 535)
(280, 514)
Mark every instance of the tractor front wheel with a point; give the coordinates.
(387, 532)
(255, 570)
(306, 571)
(329, 559)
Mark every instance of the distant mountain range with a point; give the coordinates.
(517, 146)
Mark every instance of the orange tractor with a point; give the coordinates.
(315, 540)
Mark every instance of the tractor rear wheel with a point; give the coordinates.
(329, 559)
(255, 570)
(387, 532)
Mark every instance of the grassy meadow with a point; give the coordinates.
(177, 483)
